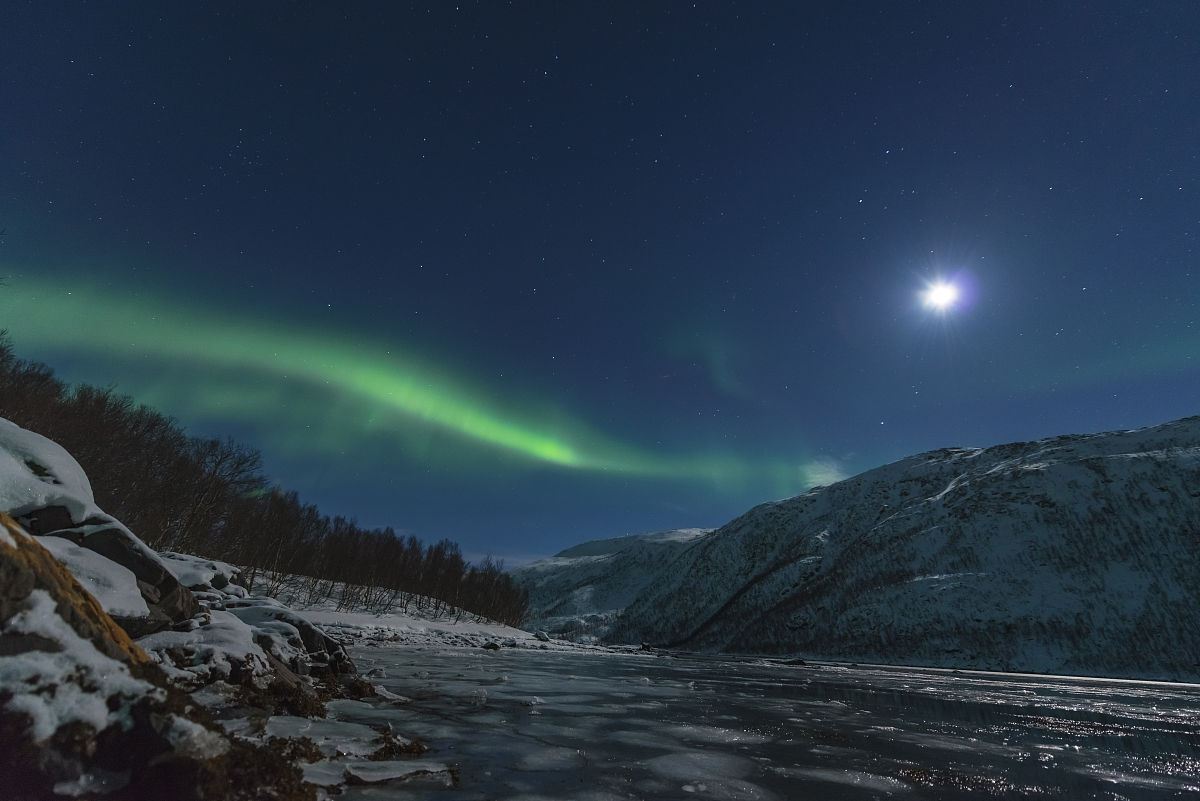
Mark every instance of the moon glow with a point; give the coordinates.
(940, 296)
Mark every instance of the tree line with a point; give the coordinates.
(209, 497)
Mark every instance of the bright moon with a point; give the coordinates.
(941, 295)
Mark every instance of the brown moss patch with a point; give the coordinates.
(246, 772)
(357, 687)
(296, 749)
(282, 698)
(391, 748)
(30, 566)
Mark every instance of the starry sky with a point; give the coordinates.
(526, 274)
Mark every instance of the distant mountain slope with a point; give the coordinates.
(1077, 554)
(578, 592)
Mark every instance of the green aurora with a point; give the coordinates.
(334, 389)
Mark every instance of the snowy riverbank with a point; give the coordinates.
(125, 673)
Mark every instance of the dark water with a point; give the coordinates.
(536, 725)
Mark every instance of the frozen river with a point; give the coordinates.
(524, 724)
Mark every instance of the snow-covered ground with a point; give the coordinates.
(416, 627)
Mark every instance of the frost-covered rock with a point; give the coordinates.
(1076, 554)
(110, 583)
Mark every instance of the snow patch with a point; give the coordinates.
(113, 585)
(36, 473)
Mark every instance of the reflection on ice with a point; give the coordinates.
(853, 778)
(528, 725)
(695, 733)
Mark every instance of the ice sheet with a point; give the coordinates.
(558, 725)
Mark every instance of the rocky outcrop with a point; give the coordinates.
(84, 712)
(88, 711)
(282, 637)
(167, 601)
(48, 494)
(24, 567)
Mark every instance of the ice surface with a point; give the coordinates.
(335, 738)
(325, 772)
(389, 770)
(854, 778)
(708, 728)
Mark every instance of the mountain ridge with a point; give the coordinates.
(1071, 554)
(578, 592)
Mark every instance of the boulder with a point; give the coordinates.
(317, 653)
(169, 601)
(26, 566)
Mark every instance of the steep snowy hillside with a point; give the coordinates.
(1077, 554)
(577, 593)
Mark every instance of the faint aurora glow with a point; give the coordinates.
(332, 388)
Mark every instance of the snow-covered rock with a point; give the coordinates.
(239, 633)
(84, 712)
(45, 490)
(577, 593)
(1076, 554)
(188, 612)
(110, 583)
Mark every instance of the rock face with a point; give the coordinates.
(83, 711)
(46, 491)
(1077, 554)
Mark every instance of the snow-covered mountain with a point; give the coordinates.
(577, 593)
(1076, 554)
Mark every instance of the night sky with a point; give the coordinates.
(527, 274)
